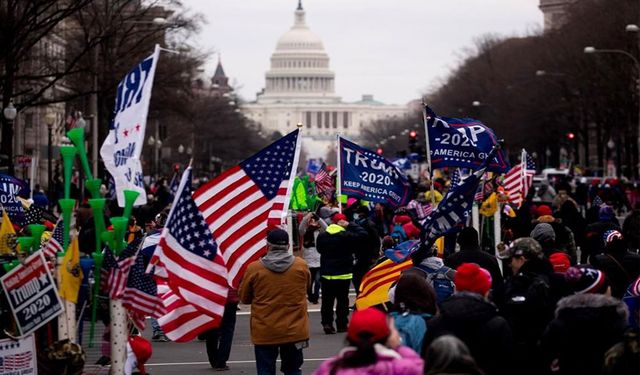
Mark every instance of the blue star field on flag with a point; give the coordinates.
(269, 167)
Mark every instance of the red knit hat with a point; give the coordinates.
(560, 262)
(337, 217)
(368, 326)
(544, 210)
(472, 278)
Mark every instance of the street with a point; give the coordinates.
(191, 357)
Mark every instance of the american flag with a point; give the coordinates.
(173, 185)
(55, 242)
(15, 362)
(114, 272)
(324, 183)
(189, 252)
(140, 295)
(242, 203)
(519, 179)
(455, 178)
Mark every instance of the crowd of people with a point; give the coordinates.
(560, 295)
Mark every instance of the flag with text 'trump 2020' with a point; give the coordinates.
(369, 176)
(461, 142)
(123, 145)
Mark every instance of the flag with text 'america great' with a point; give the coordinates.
(241, 204)
(190, 254)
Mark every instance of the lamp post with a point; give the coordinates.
(10, 112)
(592, 50)
(49, 119)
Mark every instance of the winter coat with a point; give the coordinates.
(368, 250)
(631, 230)
(584, 328)
(621, 268)
(593, 243)
(337, 246)
(476, 322)
(402, 361)
(276, 287)
(309, 251)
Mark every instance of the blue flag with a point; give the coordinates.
(461, 142)
(369, 176)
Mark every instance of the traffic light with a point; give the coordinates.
(571, 136)
(413, 140)
(379, 151)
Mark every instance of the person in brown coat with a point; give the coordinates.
(276, 287)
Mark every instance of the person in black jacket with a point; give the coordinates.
(336, 247)
(586, 325)
(473, 319)
(470, 252)
(368, 251)
(621, 266)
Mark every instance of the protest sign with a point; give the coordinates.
(369, 176)
(18, 357)
(31, 294)
(123, 145)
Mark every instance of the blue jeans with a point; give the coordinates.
(155, 326)
(219, 340)
(266, 356)
(313, 293)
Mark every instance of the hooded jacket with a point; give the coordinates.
(476, 322)
(337, 246)
(402, 361)
(584, 328)
(276, 287)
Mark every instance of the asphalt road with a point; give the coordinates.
(191, 358)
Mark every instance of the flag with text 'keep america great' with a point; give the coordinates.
(461, 142)
(241, 204)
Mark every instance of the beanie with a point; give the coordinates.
(472, 278)
(544, 210)
(583, 279)
(560, 262)
(278, 237)
(634, 288)
(611, 235)
(411, 230)
(543, 232)
(337, 217)
(606, 213)
(368, 326)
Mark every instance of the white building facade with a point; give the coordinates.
(300, 88)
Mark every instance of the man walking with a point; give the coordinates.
(276, 287)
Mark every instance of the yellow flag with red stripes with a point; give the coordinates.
(374, 288)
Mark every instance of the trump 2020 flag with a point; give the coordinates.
(369, 176)
(123, 145)
(461, 142)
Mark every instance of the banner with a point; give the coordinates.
(121, 150)
(461, 142)
(18, 357)
(369, 176)
(9, 188)
(31, 294)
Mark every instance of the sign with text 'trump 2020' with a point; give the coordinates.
(369, 176)
(31, 294)
(122, 147)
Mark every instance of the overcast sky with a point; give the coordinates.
(393, 49)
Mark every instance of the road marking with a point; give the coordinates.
(228, 362)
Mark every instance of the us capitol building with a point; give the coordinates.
(300, 88)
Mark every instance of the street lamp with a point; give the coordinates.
(49, 119)
(10, 112)
(592, 50)
(632, 28)
(180, 149)
(476, 103)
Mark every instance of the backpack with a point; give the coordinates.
(528, 306)
(398, 234)
(624, 357)
(412, 328)
(442, 284)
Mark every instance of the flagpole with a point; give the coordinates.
(523, 172)
(339, 175)
(428, 150)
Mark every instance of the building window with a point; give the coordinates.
(308, 119)
(334, 115)
(327, 119)
(319, 118)
(345, 120)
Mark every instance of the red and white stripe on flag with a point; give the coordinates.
(519, 179)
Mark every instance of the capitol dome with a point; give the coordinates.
(299, 66)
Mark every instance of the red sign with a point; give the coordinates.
(23, 160)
